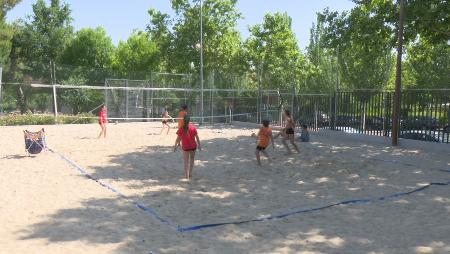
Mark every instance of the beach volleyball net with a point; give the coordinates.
(144, 101)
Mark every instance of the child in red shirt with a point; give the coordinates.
(190, 141)
(103, 120)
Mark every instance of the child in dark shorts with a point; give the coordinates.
(165, 118)
(264, 136)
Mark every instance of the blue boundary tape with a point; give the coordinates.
(346, 202)
(144, 208)
(154, 214)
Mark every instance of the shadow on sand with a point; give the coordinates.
(227, 186)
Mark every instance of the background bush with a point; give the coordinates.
(30, 119)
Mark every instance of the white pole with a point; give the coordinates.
(201, 56)
(106, 93)
(126, 100)
(55, 105)
(1, 94)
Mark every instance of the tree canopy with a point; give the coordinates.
(347, 50)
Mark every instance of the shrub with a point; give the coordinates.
(30, 119)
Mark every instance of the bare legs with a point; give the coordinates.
(258, 156)
(291, 138)
(168, 128)
(103, 131)
(189, 158)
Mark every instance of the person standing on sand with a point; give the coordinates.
(190, 141)
(263, 136)
(165, 117)
(288, 132)
(103, 120)
(183, 112)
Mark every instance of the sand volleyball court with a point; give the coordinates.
(47, 206)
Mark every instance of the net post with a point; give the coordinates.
(106, 93)
(258, 104)
(152, 74)
(126, 99)
(55, 102)
(1, 94)
(330, 111)
(316, 114)
(147, 99)
(211, 99)
(225, 113)
(212, 105)
(280, 110)
(334, 109)
(293, 101)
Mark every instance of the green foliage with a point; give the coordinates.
(5, 6)
(363, 47)
(429, 19)
(93, 50)
(80, 100)
(30, 119)
(159, 31)
(83, 118)
(322, 70)
(39, 41)
(48, 30)
(352, 48)
(6, 32)
(26, 119)
(274, 53)
(137, 57)
(222, 44)
(428, 65)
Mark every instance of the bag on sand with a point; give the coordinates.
(34, 141)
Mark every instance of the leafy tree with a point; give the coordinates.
(36, 44)
(428, 19)
(6, 34)
(6, 31)
(364, 46)
(44, 37)
(89, 53)
(5, 6)
(222, 45)
(322, 70)
(160, 33)
(274, 53)
(137, 57)
(428, 65)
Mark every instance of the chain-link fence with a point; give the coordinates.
(424, 115)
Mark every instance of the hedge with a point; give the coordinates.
(30, 119)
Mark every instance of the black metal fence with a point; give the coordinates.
(425, 114)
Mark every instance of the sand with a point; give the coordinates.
(46, 206)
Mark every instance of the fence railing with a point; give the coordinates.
(425, 114)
